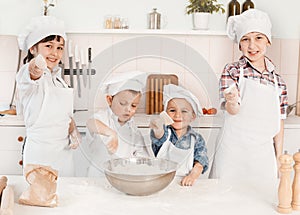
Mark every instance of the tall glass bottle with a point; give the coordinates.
(247, 5)
(234, 8)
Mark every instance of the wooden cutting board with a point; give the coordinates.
(154, 91)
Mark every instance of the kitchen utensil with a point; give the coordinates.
(62, 75)
(71, 63)
(290, 108)
(89, 65)
(154, 19)
(296, 182)
(154, 91)
(77, 62)
(7, 201)
(140, 176)
(285, 186)
(83, 66)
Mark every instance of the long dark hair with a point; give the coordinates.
(46, 39)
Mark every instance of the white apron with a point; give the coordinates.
(245, 148)
(183, 157)
(48, 138)
(130, 144)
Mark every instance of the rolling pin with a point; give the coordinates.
(7, 201)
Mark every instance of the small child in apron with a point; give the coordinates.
(43, 97)
(179, 142)
(255, 106)
(112, 132)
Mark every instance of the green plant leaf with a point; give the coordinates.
(208, 6)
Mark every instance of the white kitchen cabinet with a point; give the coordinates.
(81, 158)
(12, 138)
(291, 140)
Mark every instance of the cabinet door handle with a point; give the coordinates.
(20, 139)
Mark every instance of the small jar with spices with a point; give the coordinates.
(108, 22)
(117, 22)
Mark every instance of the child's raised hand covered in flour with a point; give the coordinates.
(157, 125)
(36, 67)
(231, 94)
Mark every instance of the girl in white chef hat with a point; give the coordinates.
(43, 98)
(112, 132)
(177, 141)
(254, 98)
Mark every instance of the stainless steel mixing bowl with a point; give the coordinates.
(140, 176)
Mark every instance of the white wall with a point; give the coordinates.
(89, 14)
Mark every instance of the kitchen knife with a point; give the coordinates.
(77, 62)
(83, 66)
(89, 65)
(71, 63)
(62, 75)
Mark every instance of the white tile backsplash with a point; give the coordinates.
(8, 53)
(114, 53)
(199, 44)
(274, 53)
(291, 82)
(7, 81)
(289, 56)
(220, 49)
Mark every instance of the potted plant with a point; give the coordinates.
(201, 10)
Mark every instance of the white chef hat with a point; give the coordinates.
(131, 80)
(172, 91)
(251, 20)
(40, 28)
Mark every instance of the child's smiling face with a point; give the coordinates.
(52, 51)
(182, 113)
(124, 104)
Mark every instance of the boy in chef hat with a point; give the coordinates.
(254, 97)
(178, 141)
(112, 132)
(43, 98)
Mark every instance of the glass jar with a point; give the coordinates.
(108, 22)
(117, 22)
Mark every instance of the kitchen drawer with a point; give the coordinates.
(291, 140)
(12, 138)
(9, 164)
